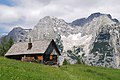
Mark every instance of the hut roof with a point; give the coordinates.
(22, 48)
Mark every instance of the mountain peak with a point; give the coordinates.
(48, 18)
(94, 15)
(18, 34)
(98, 14)
(82, 21)
(79, 22)
(17, 28)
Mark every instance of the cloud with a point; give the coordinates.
(27, 13)
(7, 14)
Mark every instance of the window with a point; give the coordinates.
(40, 58)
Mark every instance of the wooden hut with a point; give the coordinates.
(38, 51)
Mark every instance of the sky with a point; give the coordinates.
(26, 13)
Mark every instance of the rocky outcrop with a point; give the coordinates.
(105, 48)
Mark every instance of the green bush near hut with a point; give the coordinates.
(17, 70)
(65, 62)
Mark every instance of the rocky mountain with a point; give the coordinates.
(79, 22)
(82, 21)
(51, 28)
(93, 41)
(102, 48)
(18, 34)
(48, 26)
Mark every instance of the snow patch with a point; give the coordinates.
(75, 40)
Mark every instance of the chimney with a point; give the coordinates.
(29, 44)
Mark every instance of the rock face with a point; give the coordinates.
(105, 48)
(49, 28)
(93, 41)
(82, 21)
(79, 22)
(18, 34)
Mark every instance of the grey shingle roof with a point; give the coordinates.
(21, 48)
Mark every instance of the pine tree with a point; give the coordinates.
(5, 45)
(11, 42)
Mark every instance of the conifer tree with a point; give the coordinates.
(5, 45)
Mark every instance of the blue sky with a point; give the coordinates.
(26, 13)
(7, 2)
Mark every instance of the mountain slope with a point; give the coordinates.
(104, 50)
(18, 34)
(16, 70)
(104, 45)
(83, 21)
(48, 27)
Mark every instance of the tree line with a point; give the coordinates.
(5, 45)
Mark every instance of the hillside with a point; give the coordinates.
(16, 70)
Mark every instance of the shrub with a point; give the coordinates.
(65, 62)
(78, 61)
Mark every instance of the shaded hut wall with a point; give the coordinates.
(28, 59)
(51, 53)
(50, 58)
(52, 47)
(54, 58)
(19, 57)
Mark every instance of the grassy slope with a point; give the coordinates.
(16, 70)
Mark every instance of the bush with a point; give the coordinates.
(65, 62)
(78, 61)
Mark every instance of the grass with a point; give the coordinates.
(16, 70)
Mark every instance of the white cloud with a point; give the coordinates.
(7, 14)
(27, 13)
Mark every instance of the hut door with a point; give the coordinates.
(54, 58)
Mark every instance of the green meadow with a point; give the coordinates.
(17, 70)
